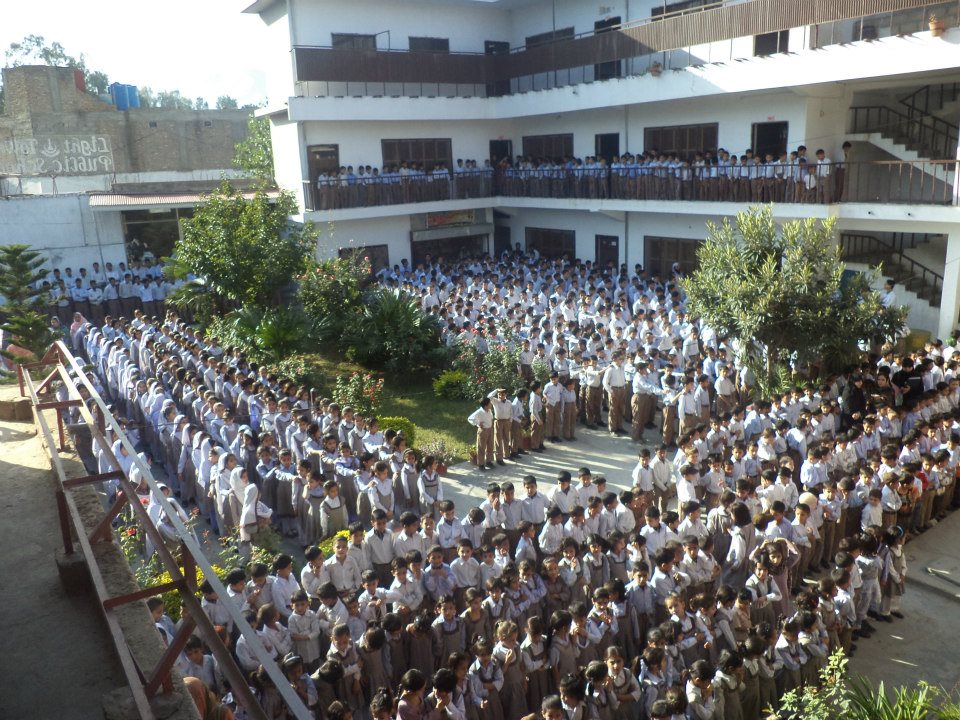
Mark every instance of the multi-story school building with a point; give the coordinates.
(615, 130)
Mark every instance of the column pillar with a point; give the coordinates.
(950, 298)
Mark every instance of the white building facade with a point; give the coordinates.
(536, 92)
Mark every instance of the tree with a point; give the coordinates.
(173, 100)
(201, 104)
(781, 294)
(34, 50)
(21, 272)
(225, 102)
(254, 155)
(245, 251)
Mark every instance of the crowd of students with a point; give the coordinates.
(651, 175)
(720, 578)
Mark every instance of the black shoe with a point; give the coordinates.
(868, 627)
(538, 449)
(500, 462)
(558, 439)
(651, 426)
(489, 466)
(522, 452)
(885, 618)
(897, 614)
(483, 468)
(873, 614)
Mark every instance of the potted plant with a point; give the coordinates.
(441, 452)
(936, 26)
(656, 69)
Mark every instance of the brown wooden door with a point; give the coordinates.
(607, 251)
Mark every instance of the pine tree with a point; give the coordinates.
(24, 325)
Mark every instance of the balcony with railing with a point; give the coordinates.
(923, 182)
(676, 40)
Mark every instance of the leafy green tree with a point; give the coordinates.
(173, 100)
(225, 102)
(245, 251)
(780, 292)
(254, 155)
(21, 271)
(391, 331)
(201, 104)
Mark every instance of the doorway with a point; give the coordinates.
(607, 253)
(320, 159)
(606, 146)
(501, 240)
(769, 137)
(499, 86)
(610, 69)
(500, 150)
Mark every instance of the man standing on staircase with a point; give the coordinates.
(888, 297)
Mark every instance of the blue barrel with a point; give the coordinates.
(133, 96)
(118, 93)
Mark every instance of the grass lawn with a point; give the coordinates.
(412, 397)
(435, 418)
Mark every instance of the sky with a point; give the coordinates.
(203, 48)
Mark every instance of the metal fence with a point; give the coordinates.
(145, 683)
(922, 182)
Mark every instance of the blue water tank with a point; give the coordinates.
(118, 93)
(133, 96)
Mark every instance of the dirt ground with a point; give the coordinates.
(58, 659)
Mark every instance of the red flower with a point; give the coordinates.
(131, 532)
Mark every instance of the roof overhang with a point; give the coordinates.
(163, 201)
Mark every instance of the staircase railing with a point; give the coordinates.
(855, 245)
(931, 98)
(933, 136)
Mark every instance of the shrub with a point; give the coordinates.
(500, 367)
(392, 331)
(453, 385)
(304, 369)
(171, 599)
(326, 546)
(264, 335)
(362, 391)
(331, 292)
(401, 425)
(438, 447)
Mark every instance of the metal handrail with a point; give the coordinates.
(891, 249)
(943, 89)
(944, 135)
(925, 182)
(193, 555)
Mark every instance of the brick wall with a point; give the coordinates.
(43, 103)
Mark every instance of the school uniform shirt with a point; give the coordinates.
(438, 581)
(449, 532)
(404, 543)
(466, 573)
(565, 500)
(378, 547)
(408, 594)
(345, 576)
(871, 515)
(283, 590)
(534, 509)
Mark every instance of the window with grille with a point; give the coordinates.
(428, 151)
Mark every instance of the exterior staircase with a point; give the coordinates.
(917, 124)
(887, 250)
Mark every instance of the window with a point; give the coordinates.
(551, 243)
(548, 37)
(353, 41)
(152, 123)
(428, 151)
(660, 253)
(771, 43)
(684, 140)
(553, 147)
(678, 7)
(429, 44)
